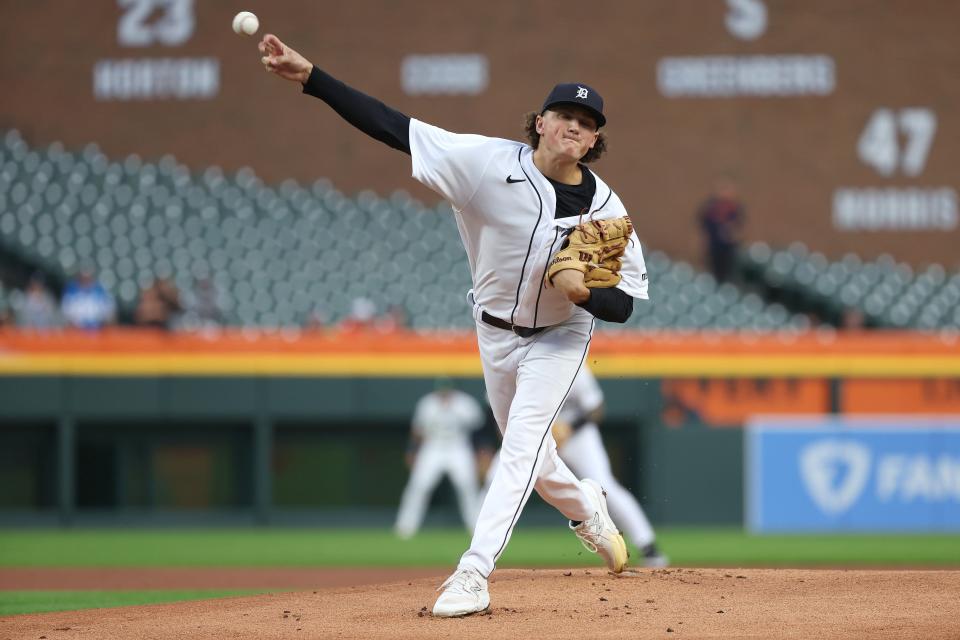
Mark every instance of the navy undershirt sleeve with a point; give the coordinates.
(371, 116)
(612, 305)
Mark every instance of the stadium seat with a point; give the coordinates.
(888, 293)
(269, 249)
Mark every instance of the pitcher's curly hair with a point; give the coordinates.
(530, 128)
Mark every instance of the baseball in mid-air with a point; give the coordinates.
(245, 22)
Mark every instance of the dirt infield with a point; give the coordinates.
(663, 603)
(123, 578)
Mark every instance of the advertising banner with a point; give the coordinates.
(854, 474)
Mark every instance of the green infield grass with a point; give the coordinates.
(529, 547)
(16, 602)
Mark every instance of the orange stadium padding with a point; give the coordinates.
(732, 401)
(140, 340)
(925, 396)
(129, 351)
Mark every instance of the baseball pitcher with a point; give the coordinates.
(550, 248)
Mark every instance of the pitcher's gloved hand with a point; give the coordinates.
(595, 248)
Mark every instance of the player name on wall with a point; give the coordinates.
(147, 23)
(728, 76)
(156, 79)
(892, 209)
(445, 74)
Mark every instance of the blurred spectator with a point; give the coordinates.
(86, 304)
(363, 313)
(38, 308)
(395, 319)
(852, 319)
(159, 303)
(317, 320)
(201, 304)
(721, 218)
(4, 308)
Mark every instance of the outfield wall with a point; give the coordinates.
(133, 426)
(838, 120)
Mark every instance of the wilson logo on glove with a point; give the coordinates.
(595, 248)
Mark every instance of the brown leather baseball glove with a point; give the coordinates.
(595, 248)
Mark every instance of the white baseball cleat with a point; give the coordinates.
(598, 534)
(464, 592)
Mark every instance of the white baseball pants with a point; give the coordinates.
(527, 381)
(433, 461)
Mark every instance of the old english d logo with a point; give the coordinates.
(835, 473)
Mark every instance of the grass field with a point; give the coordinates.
(529, 547)
(16, 602)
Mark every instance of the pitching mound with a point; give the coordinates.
(664, 603)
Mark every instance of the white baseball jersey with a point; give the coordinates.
(446, 417)
(505, 213)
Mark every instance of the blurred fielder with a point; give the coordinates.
(440, 444)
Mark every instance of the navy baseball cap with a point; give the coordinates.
(579, 94)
